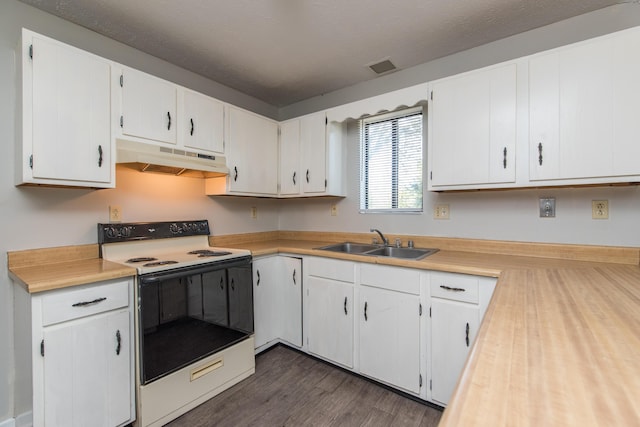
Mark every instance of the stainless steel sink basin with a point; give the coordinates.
(378, 250)
(349, 248)
(406, 253)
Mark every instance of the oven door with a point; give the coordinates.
(188, 314)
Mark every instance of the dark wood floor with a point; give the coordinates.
(293, 389)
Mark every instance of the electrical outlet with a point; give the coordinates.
(600, 209)
(334, 210)
(115, 213)
(441, 212)
(254, 212)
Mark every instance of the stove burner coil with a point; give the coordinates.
(141, 259)
(154, 264)
(202, 253)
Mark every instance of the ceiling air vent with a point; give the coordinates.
(382, 67)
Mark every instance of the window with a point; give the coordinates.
(391, 162)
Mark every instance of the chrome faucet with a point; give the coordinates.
(385, 241)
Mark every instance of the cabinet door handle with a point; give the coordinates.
(365, 312)
(233, 285)
(307, 176)
(169, 121)
(85, 303)
(235, 173)
(449, 288)
(119, 342)
(191, 132)
(221, 283)
(258, 274)
(540, 153)
(294, 178)
(504, 158)
(345, 306)
(467, 334)
(294, 277)
(99, 156)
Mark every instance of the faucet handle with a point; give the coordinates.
(398, 242)
(410, 244)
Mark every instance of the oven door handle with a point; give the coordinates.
(152, 278)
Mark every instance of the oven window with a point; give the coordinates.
(184, 319)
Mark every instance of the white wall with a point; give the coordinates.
(45, 217)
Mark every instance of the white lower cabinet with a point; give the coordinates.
(277, 300)
(75, 355)
(329, 292)
(458, 304)
(389, 326)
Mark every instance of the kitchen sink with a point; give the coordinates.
(406, 253)
(349, 248)
(379, 250)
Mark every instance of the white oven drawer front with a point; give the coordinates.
(80, 301)
(169, 397)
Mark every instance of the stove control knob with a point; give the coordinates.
(174, 229)
(111, 232)
(125, 232)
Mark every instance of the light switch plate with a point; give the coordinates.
(547, 207)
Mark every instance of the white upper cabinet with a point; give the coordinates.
(313, 152)
(201, 121)
(311, 157)
(148, 108)
(290, 158)
(252, 156)
(66, 132)
(472, 129)
(583, 122)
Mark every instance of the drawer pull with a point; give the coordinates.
(205, 369)
(449, 288)
(85, 303)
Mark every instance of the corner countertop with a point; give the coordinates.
(559, 344)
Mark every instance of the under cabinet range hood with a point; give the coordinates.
(166, 160)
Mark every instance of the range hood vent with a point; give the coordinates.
(172, 161)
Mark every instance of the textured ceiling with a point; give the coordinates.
(284, 51)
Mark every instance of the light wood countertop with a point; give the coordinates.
(46, 269)
(559, 344)
(557, 347)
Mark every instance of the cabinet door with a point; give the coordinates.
(473, 128)
(330, 319)
(313, 152)
(570, 135)
(290, 157)
(70, 109)
(454, 326)
(253, 153)
(202, 120)
(148, 107)
(87, 371)
(290, 297)
(390, 337)
(240, 298)
(264, 291)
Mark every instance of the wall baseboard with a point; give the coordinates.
(24, 420)
(8, 423)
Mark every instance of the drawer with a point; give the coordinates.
(79, 301)
(457, 287)
(405, 280)
(343, 271)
